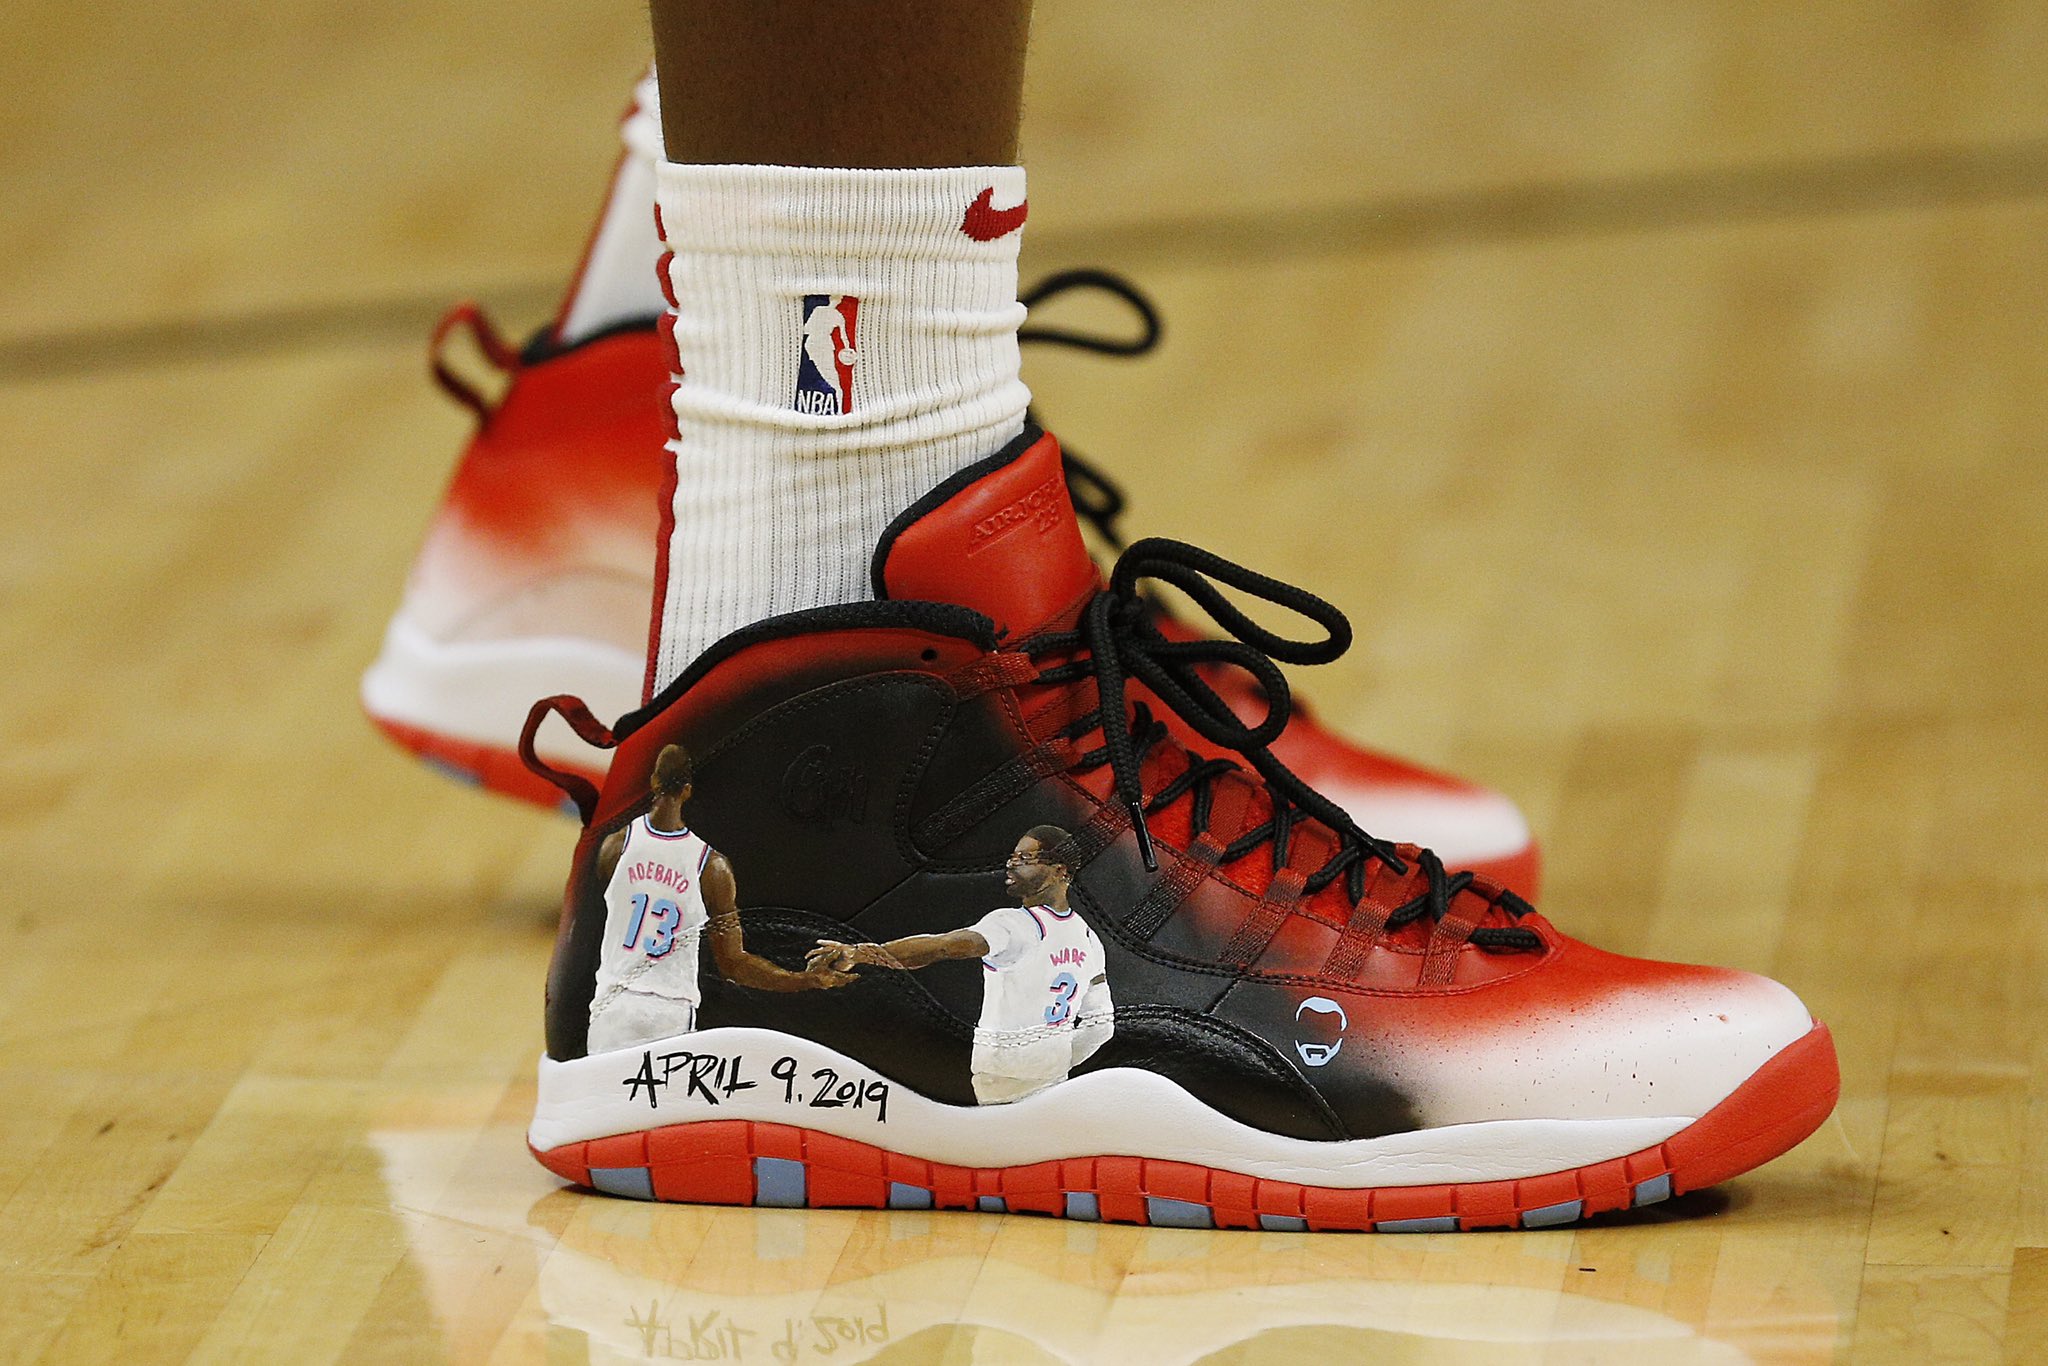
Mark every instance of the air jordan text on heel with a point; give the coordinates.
(978, 897)
(536, 575)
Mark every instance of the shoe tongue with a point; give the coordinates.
(999, 537)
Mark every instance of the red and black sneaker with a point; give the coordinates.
(535, 579)
(980, 896)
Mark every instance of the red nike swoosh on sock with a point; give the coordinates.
(985, 223)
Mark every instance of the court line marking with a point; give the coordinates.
(1646, 203)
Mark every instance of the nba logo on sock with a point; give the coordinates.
(825, 360)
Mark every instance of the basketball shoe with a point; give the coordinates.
(535, 577)
(1204, 996)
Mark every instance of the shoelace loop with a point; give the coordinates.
(1122, 642)
(1096, 497)
(1117, 641)
(1066, 281)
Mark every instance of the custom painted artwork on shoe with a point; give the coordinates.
(1045, 1001)
(665, 891)
(954, 819)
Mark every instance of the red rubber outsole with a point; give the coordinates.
(743, 1162)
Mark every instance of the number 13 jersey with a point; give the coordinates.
(654, 919)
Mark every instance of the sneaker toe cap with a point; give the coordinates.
(1656, 1040)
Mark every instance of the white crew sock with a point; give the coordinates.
(784, 483)
(617, 283)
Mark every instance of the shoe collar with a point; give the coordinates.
(1000, 537)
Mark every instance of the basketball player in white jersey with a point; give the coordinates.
(665, 889)
(1045, 1004)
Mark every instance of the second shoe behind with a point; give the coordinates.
(534, 578)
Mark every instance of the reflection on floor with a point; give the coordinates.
(599, 1279)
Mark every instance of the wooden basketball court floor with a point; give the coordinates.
(1663, 390)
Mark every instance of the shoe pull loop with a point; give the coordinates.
(501, 354)
(588, 729)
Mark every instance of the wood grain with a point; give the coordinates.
(1696, 501)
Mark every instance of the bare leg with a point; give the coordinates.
(852, 83)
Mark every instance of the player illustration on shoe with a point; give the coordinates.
(664, 889)
(1045, 1003)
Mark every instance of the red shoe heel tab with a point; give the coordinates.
(588, 729)
(501, 354)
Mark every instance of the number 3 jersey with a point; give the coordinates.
(654, 920)
(1045, 1003)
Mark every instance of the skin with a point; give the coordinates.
(1033, 881)
(721, 901)
(882, 83)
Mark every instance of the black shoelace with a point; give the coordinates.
(1116, 640)
(1065, 281)
(1119, 634)
(1095, 496)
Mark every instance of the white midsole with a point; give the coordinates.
(1115, 1112)
(480, 691)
